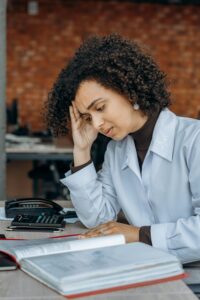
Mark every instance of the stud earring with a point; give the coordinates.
(136, 106)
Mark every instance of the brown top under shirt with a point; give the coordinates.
(142, 139)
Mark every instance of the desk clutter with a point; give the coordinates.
(6, 263)
(36, 214)
(31, 206)
(16, 143)
(40, 222)
(23, 141)
(76, 267)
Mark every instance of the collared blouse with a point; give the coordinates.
(165, 194)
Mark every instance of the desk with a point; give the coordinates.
(39, 152)
(18, 285)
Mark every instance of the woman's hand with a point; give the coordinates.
(83, 132)
(130, 232)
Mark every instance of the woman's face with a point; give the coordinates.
(109, 112)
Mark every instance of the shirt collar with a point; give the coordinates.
(162, 142)
(164, 135)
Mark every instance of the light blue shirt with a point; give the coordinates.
(164, 194)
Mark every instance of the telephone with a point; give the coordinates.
(31, 206)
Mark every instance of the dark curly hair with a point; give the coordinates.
(115, 63)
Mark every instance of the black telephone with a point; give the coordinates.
(31, 206)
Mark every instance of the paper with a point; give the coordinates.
(67, 220)
(102, 268)
(2, 215)
(31, 248)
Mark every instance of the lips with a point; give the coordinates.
(108, 132)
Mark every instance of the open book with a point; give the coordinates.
(79, 267)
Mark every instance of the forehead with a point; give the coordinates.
(89, 91)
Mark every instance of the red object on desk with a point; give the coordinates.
(51, 237)
(128, 286)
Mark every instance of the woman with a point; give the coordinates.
(151, 166)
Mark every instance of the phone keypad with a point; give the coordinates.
(55, 221)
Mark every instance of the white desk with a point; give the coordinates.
(17, 285)
(39, 152)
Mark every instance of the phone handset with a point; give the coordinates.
(31, 206)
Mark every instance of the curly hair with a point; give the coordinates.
(115, 63)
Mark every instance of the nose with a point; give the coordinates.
(97, 122)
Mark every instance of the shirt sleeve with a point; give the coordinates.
(182, 238)
(77, 168)
(93, 194)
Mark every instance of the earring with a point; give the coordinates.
(136, 106)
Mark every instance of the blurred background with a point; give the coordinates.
(42, 35)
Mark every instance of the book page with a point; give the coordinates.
(23, 249)
(102, 268)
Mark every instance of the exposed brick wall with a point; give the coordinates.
(38, 46)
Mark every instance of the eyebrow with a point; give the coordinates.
(93, 102)
(90, 106)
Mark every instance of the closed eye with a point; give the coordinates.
(101, 108)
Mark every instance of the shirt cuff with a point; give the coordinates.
(76, 169)
(145, 235)
(159, 235)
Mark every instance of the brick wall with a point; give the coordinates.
(38, 46)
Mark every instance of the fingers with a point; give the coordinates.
(75, 111)
(130, 232)
(71, 112)
(102, 230)
(74, 115)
